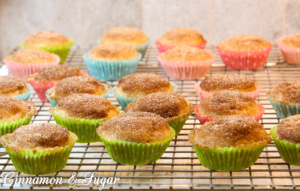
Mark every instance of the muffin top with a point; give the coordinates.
(230, 131)
(113, 52)
(125, 35)
(12, 86)
(75, 85)
(32, 56)
(166, 105)
(56, 73)
(234, 82)
(39, 136)
(292, 40)
(46, 38)
(289, 129)
(141, 84)
(12, 109)
(286, 92)
(228, 103)
(186, 53)
(138, 127)
(245, 42)
(182, 36)
(84, 106)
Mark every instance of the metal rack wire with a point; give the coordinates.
(179, 167)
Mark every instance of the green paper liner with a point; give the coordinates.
(11, 126)
(177, 124)
(289, 152)
(284, 110)
(228, 159)
(129, 153)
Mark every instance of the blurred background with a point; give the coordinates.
(87, 20)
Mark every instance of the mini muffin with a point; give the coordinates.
(186, 63)
(180, 37)
(290, 48)
(285, 98)
(14, 87)
(287, 139)
(230, 143)
(138, 85)
(14, 113)
(50, 41)
(76, 85)
(219, 82)
(245, 51)
(23, 63)
(50, 76)
(136, 138)
(227, 102)
(42, 148)
(112, 61)
(127, 35)
(82, 114)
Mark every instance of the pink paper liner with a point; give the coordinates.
(163, 48)
(290, 54)
(204, 94)
(244, 60)
(40, 87)
(186, 70)
(25, 70)
(204, 118)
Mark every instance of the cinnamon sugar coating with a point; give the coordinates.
(245, 42)
(166, 105)
(234, 82)
(113, 52)
(230, 131)
(228, 103)
(182, 36)
(32, 56)
(141, 84)
(292, 40)
(46, 38)
(286, 92)
(85, 106)
(125, 35)
(75, 85)
(56, 73)
(12, 86)
(289, 129)
(138, 127)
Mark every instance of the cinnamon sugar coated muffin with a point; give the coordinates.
(32, 56)
(46, 38)
(186, 53)
(12, 86)
(289, 129)
(292, 40)
(286, 93)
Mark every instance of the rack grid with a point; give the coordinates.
(179, 168)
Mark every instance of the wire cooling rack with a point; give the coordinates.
(179, 168)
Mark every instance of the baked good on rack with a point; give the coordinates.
(12, 86)
(292, 40)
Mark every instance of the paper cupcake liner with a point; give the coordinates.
(24, 96)
(142, 48)
(228, 159)
(111, 70)
(163, 48)
(61, 50)
(129, 153)
(244, 60)
(284, 110)
(11, 126)
(124, 101)
(204, 118)
(186, 70)
(289, 152)
(290, 54)
(204, 94)
(177, 124)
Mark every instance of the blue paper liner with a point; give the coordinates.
(284, 110)
(25, 96)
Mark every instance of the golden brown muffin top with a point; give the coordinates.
(245, 42)
(113, 52)
(138, 127)
(11, 85)
(125, 35)
(46, 38)
(292, 40)
(230, 131)
(166, 105)
(84, 106)
(186, 53)
(289, 129)
(228, 103)
(286, 92)
(141, 84)
(218, 82)
(76, 85)
(56, 73)
(32, 56)
(12, 109)
(182, 36)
